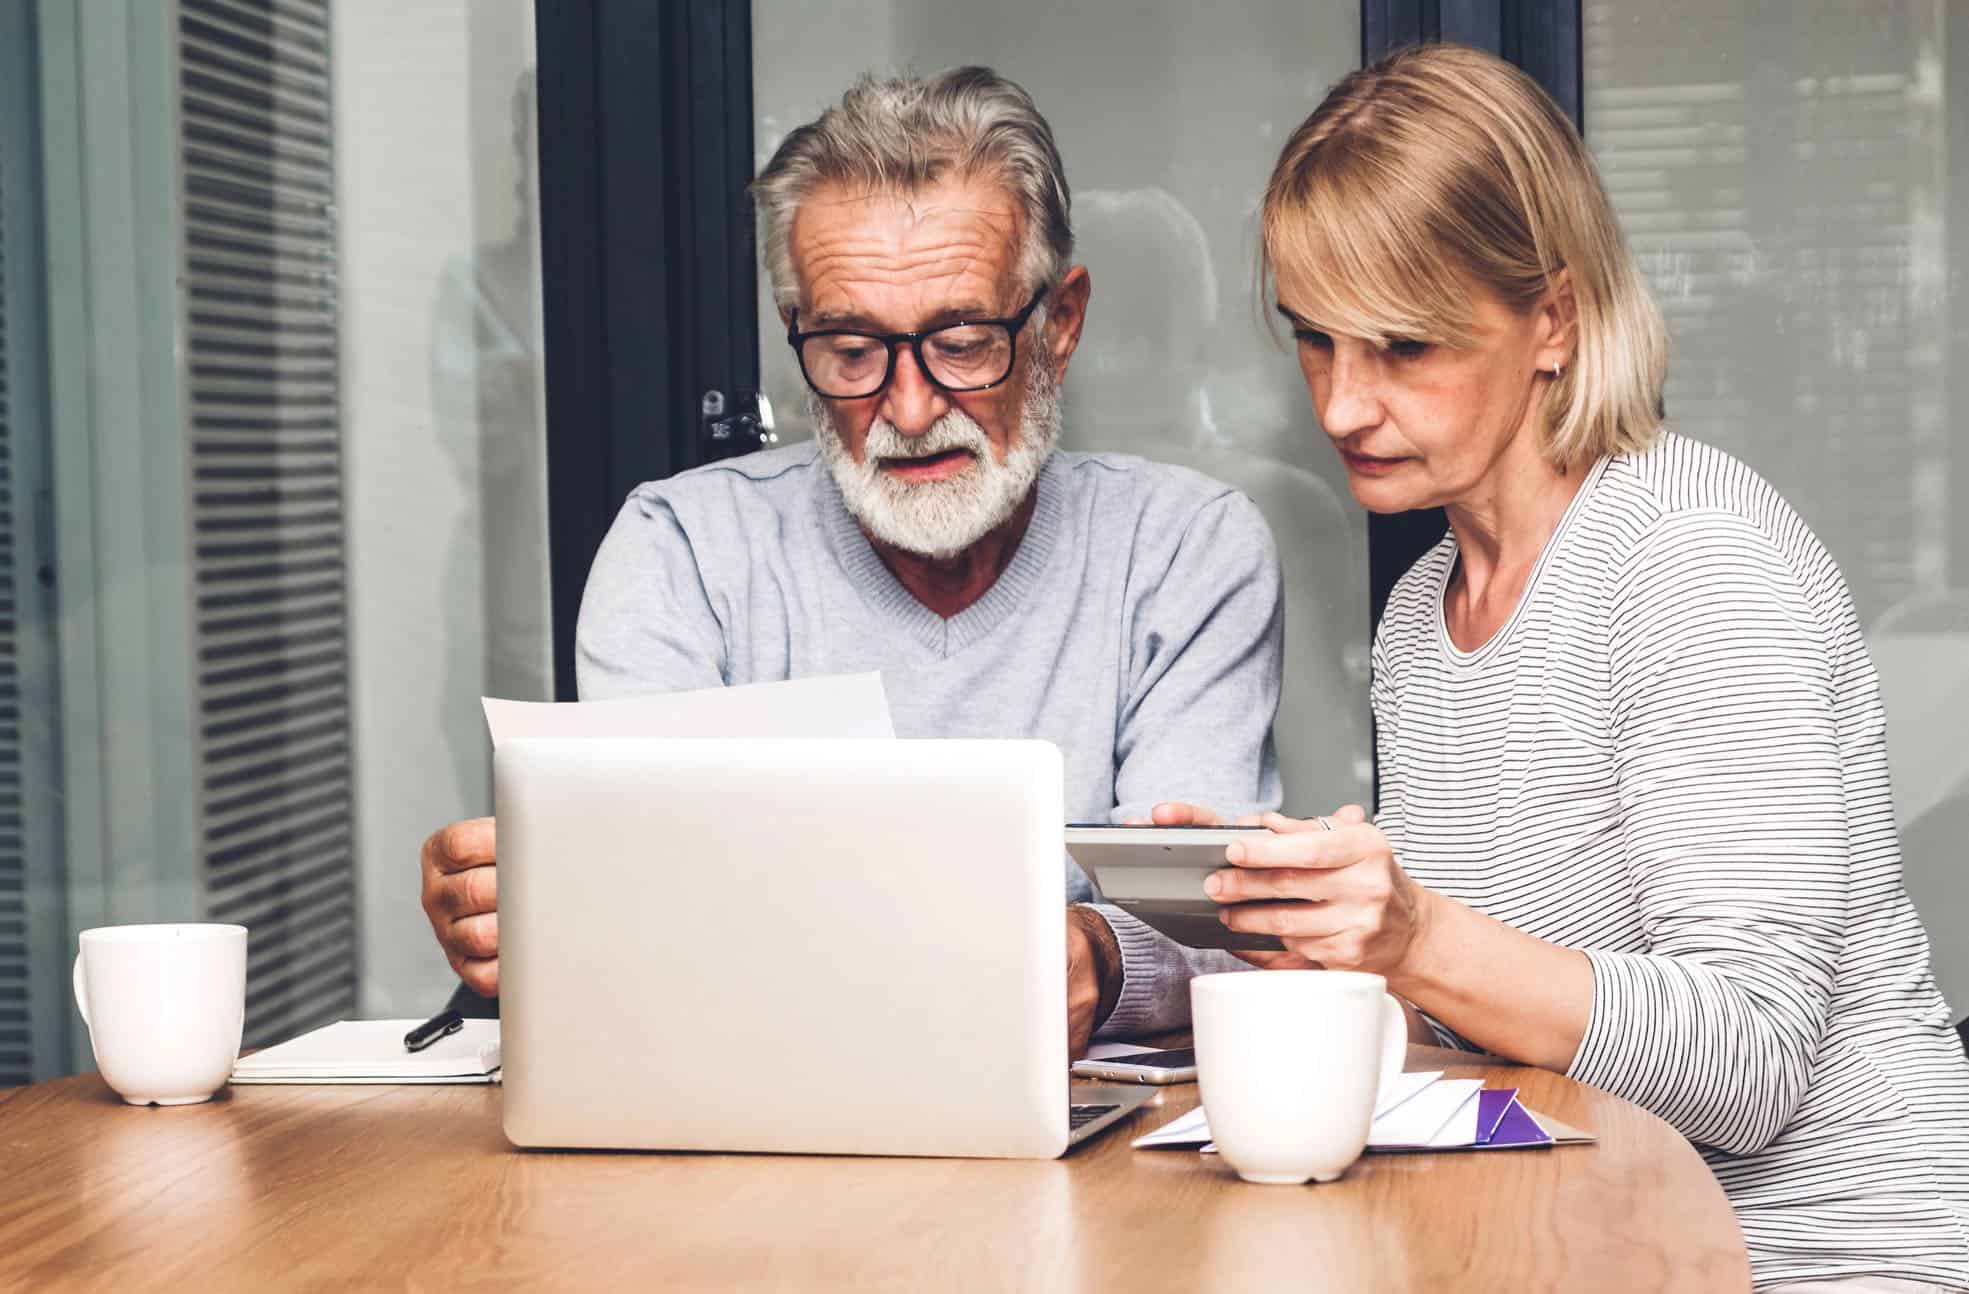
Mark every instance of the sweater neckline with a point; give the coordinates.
(1456, 655)
(893, 601)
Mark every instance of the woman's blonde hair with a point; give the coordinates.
(1442, 166)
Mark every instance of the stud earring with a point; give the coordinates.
(1558, 369)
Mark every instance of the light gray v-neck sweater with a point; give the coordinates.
(1138, 628)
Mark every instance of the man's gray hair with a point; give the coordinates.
(904, 135)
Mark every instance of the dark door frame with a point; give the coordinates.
(649, 276)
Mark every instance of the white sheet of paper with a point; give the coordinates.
(1401, 1087)
(843, 705)
(1461, 1129)
(1429, 1115)
(1190, 1129)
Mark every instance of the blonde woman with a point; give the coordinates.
(1635, 821)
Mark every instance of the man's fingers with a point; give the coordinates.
(482, 977)
(1351, 815)
(474, 938)
(470, 843)
(1185, 815)
(466, 894)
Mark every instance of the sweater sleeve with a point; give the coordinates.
(1734, 829)
(647, 625)
(1206, 656)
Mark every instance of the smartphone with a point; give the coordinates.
(1175, 1066)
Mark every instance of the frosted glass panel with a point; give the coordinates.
(1169, 116)
(1784, 172)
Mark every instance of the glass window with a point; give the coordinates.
(1169, 116)
(1788, 184)
(272, 482)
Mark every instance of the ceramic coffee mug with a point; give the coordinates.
(165, 1006)
(1290, 1063)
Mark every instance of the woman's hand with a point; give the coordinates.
(1335, 897)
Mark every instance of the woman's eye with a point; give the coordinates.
(1312, 337)
(1407, 347)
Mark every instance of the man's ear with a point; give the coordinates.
(1066, 314)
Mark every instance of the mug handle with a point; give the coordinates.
(81, 996)
(1394, 1038)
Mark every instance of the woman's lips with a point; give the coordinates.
(931, 467)
(1369, 464)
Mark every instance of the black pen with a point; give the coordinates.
(441, 1025)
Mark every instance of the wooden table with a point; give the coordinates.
(415, 1188)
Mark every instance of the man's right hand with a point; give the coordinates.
(461, 897)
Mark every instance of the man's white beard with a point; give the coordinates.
(942, 518)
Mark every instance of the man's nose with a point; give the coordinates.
(911, 402)
(1353, 400)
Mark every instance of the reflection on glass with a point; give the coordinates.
(1168, 116)
(1785, 181)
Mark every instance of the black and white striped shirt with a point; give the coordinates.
(1673, 757)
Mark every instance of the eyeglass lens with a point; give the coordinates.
(963, 357)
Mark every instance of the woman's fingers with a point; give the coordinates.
(1268, 959)
(1241, 885)
(1286, 919)
(1340, 847)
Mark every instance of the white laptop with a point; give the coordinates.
(811, 946)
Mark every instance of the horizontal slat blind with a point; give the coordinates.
(272, 615)
(15, 1032)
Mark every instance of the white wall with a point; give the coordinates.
(443, 427)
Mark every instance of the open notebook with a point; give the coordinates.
(371, 1051)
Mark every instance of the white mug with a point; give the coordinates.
(165, 1006)
(1290, 1064)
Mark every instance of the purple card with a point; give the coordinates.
(1515, 1130)
(1492, 1105)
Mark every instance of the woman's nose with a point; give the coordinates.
(1353, 401)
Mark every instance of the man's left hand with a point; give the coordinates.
(1093, 976)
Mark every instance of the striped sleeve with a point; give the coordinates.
(1735, 836)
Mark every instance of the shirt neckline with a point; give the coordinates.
(1456, 655)
(891, 599)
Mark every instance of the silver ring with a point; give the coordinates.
(1324, 824)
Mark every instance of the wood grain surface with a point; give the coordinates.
(415, 1188)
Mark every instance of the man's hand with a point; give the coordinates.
(461, 893)
(1093, 976)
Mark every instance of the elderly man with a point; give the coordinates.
(919, 245)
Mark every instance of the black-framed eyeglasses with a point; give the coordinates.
(969, 355)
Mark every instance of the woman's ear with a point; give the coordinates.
(1558, 324)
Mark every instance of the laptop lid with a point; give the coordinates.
(830, 947)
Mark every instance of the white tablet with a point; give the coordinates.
(1156, 874)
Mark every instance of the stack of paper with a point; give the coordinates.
(1415, 1112)
(372, 1051)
